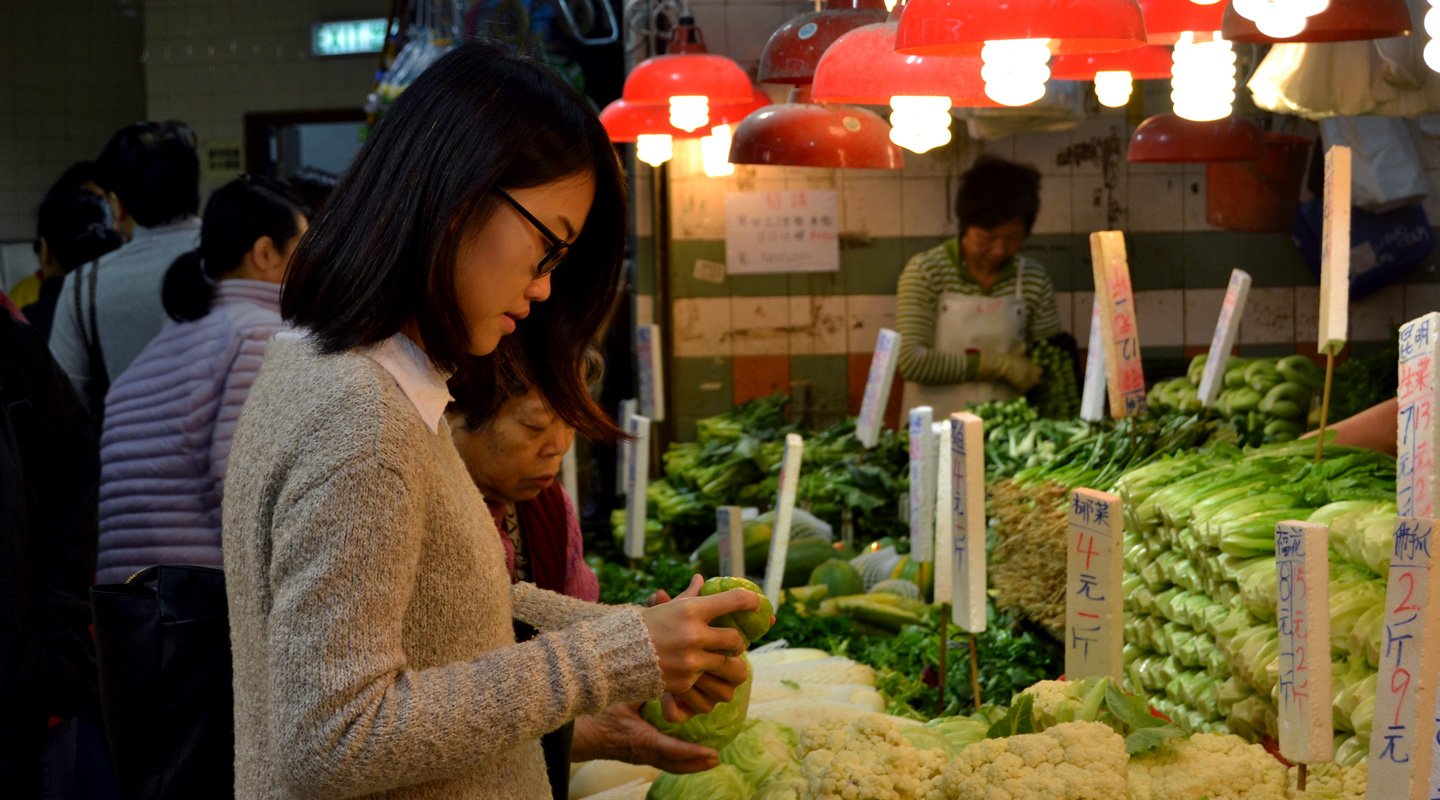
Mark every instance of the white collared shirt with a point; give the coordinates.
(417, 375)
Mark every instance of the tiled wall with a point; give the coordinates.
(208, 62)
(70, 74)
(813, 334)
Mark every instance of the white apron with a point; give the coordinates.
(965, 322)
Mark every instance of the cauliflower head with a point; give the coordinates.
(1330, 782)
(867, 759)
(1071, 761)
(1052, 700)
(1208, 765)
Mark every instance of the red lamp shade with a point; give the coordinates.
(961, 27)
(1165, 20)
(686, 69)
(800, 134)
(1167, 138)
(626, 122)
(862, 67)
(793, 51)
(1341, 21)
(1148, 63)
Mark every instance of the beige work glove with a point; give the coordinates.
(1013, 368)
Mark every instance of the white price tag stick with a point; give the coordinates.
(1401, 753)
(570, 479)
(732, 541)
(877, 388)
(1227, 331)
(1418, 425)
(652, 378)
(635, 506)
(1094, 604)
(1302, 564)
(922, 485)
(784, 515)
(1334, 274)
(944, 544)
(1123, 369)
(966, 484)
(1092, 399)
(625, 453)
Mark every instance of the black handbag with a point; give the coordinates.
(165, 682)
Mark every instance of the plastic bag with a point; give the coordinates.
(1388, 172)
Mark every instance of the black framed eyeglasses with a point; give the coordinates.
(555, 255)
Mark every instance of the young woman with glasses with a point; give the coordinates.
(370, 605)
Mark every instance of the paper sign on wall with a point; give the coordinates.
(1302, 566)
(1123, 370)
(652, 377)
(1400, 751)
(795, 231)
(1227, 331)
(922, 484)
(877, 388)
(1094, 610)
(966, 482)
(1418, 427)
(636, 504)
(1092, 398)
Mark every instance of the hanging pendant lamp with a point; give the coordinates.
(1167, 20)
(687, 78)
(648, 126)
(1341, 21)
(1114, 74)
(1203, 72)
(801, 133)
(795, 48)
(1169, 139)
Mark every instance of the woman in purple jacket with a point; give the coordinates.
(169, 417)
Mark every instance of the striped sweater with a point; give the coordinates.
(168, 422)
(934, 272)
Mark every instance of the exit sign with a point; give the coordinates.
(348, 37)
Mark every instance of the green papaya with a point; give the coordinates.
(838, 577)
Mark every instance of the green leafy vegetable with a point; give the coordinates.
(715, 729)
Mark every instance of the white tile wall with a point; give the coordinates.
(1269, 317)
(865, 315)
(1202, 311)
(1161, 317)
(702, 326)
(760, 325)
(1372, 318)
(817, 325)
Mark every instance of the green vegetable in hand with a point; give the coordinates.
(751, 624)
(761, 751)
(722, 783)
(715, 729)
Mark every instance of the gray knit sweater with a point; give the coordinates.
(370, 607)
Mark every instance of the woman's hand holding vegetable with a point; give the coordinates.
(618, 733)
(698, 674)
(1012, 368)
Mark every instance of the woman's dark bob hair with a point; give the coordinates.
(994, 191)
(383, 249)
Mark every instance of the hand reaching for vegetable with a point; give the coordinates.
(693, 663)
(619, 734)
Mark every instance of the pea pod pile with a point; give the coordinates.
(1265, 399)
(1058, 394)
(1200, 580)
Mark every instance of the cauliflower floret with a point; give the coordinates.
(1207, 765)
(1071, 761)
(867, 759)
(1050, 697)
(1329, 782)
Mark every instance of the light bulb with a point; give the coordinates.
(1432, 27)
(920, 123)
(1202, 84)
(715, 152)
(654, 148)
(1015, 70)
(1281, 24)
(1280, 19)
(689, 112)
(1113, 88)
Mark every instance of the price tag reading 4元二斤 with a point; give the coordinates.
(966, 482)
(922, 484)
(1094, 610)
(784, 516)
(639, 477)
(1401, 750)
(1302, 566)
(1227, 332)
(1418, 425)
(1123, 369)
(877, 388)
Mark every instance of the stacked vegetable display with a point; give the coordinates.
(1200, 582)
(1264, 400)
